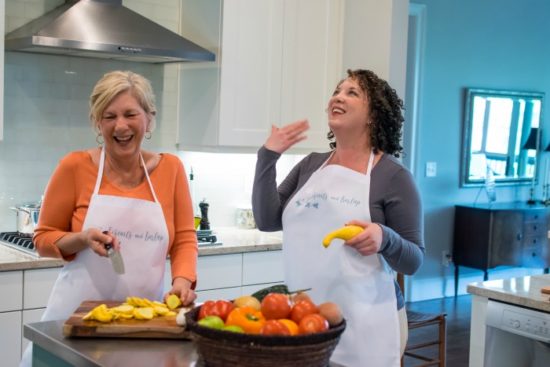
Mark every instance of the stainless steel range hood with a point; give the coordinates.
(103, 29)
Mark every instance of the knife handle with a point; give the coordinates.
(109, 245)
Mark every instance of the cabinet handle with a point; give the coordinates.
(519, 236)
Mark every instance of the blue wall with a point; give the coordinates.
(500, 44)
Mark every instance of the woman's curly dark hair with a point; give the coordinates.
(385, 112)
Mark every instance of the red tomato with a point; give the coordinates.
(219, 308)
(275, 306)
(274, 327)
(301, 309)
(312, 323)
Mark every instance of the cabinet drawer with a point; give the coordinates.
(534, 241)
(219, 271)
(11, 289)
(531, 229)
(535, 216)
(38, 286)
(536, 257)
(263, 267)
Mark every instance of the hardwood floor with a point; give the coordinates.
(458, 311)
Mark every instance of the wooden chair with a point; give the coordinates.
(418, 320)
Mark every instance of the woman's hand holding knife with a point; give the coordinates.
(93, 238)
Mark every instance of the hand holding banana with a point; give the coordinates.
(365, 237)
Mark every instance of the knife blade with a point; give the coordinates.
(116, 258)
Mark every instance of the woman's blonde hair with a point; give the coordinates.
(116, 82)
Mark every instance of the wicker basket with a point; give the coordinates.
(225, 348)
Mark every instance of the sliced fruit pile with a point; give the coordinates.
(134, 308)
(276, 314)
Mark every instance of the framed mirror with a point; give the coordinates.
(501, 136)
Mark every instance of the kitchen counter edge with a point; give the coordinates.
(233, 241)
(521, 291)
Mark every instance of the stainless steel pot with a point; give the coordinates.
(27, 218)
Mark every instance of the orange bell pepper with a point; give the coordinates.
(248, 318)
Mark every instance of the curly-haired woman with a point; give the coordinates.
(359, 182)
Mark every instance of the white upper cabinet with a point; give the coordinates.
(278, 61)
(312, 59)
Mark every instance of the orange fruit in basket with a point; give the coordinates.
(291, 325)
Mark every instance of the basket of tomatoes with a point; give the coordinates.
(274, 329)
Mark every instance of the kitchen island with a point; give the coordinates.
(51, 348)
(522, 291)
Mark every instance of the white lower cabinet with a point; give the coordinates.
(30, 316)
(262, 267)
(11, 289)
(38, 286)
(222, 293)
(10, 338)
(25, 295)
(219, 271)
(232, 275)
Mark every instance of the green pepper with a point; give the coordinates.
(278, 288)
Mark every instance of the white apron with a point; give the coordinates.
(362, 286)
(140, 227)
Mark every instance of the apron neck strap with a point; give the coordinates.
(371, 161)
(148, 179)
(102, 166)
(369, 164)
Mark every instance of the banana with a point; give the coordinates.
(345, 233)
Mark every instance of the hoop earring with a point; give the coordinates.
(99, 139)
(148, 135)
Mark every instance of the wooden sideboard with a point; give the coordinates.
(514, 234)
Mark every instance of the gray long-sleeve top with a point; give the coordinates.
(394, 204)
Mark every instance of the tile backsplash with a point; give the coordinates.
(46, 116)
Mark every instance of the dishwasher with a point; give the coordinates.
(516, 336)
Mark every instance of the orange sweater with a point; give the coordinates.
(68, 196)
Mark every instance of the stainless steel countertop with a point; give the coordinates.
(521, 291)
(233, 240)
(108, 352)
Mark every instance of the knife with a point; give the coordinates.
(116, 258)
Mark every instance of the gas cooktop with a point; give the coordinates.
(19, 241)
(24, 243)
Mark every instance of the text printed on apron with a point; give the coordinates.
(362, 286)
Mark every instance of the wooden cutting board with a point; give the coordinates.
(161, 327)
